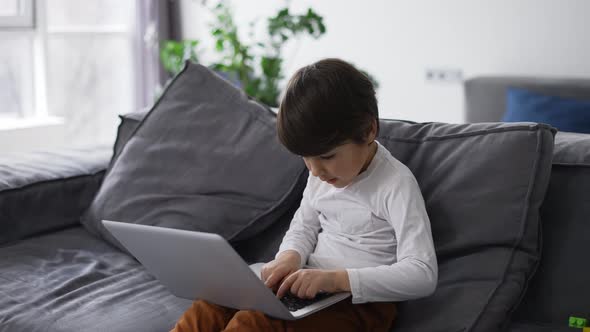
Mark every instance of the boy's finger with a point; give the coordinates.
(275, 287)
(274, 278)
(285, 285)
(271, 280)
(263, 274)
(296, 287)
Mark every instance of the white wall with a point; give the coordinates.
(396, 41)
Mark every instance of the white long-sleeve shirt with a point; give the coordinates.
(376, 228)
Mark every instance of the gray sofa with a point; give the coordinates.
(56, 276)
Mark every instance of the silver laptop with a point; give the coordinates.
(196, 265)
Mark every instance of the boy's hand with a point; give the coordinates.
(306, 283)
(275, 271)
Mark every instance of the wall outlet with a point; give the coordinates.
(444, 75)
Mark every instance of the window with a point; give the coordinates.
(16, 13)
(16, 61)
(70, 59)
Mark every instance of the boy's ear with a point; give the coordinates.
(372, 132)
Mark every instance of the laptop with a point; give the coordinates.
(197, 265)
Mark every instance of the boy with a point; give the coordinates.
(361, 227)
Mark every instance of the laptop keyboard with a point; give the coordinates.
(294, 303)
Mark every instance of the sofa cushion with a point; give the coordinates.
(129, 122)
(71, 281)
(483, 185)
(261, 248)
(561, 287)
(205, 158)
(265, 245)
(45, 191)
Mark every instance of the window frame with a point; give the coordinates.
(25, 19)
(33, 24)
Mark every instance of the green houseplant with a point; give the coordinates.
(255, 66)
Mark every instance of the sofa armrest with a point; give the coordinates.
(45, 191)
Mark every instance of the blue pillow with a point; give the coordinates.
(562, 113)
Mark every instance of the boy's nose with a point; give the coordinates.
(314, 168)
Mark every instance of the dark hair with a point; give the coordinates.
(325, 105)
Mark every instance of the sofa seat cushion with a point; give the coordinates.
(71, 281)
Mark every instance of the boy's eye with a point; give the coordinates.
(327, 157)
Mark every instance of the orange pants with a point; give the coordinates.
(342, 316)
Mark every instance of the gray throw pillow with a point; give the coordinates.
(483, 185)
(205, 158)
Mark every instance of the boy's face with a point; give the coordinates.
(341, 165)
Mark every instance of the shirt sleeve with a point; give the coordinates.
(415, 273)
(303, 232)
